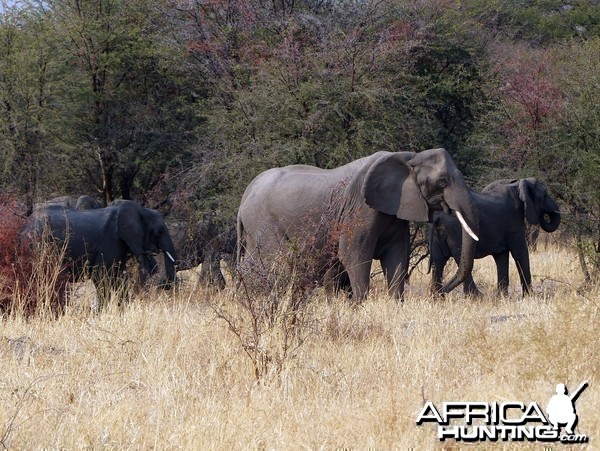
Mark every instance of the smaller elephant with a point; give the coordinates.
(83, 202)
(503, 206)
(205, 242)
(220, 247)
(100, 240)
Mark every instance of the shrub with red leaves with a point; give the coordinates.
(22, 288)
(12, 220)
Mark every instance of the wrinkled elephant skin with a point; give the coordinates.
(355, 213)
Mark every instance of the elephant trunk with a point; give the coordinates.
(551, 211)
(461, 201)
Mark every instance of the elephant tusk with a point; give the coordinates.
(465, 226)
(170, 256)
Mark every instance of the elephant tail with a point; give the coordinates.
(239, 245)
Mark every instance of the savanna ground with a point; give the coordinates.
(166, 370)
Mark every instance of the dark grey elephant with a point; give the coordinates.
(503, 206)
(100, 240)
(353, 214)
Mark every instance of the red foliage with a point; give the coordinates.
(18, 264)
(12, 219)
(400, 31)
(532, 98)
(221, 32)
(202, 48)
(529, 86)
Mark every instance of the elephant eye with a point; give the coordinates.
(442, 182)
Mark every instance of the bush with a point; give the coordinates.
(29, 282)
(270, 312)
(11, 222)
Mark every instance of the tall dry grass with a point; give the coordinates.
(164, 371)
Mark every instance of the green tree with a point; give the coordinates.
(538, 22)
(576, 154)
(127, 100)
(327, 87)
(29, 75)
(449, 64)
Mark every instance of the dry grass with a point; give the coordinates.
(164, 372)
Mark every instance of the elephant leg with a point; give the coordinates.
(501, 260)
(336, 280)
(437, 275)
(359, 273)
(355, 254)
(148, 267)
(329, 280)
(395, 267)
(470, 287)
(104, 285)
(520, 255)
(210, 274)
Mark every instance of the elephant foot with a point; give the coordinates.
(526, 290)
(355, 306)
(502, 293)
(474, 293)
(436, 290)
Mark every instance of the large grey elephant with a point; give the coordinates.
(100, 240)
(356, 213)
(503, 206)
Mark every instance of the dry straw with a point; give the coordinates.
(196, 369)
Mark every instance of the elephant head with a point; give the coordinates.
(539, 207)
(411, 186)
(144, 232)
(85, 202)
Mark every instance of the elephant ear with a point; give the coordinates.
(130, 227)
(527, 193)
(390, 188)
